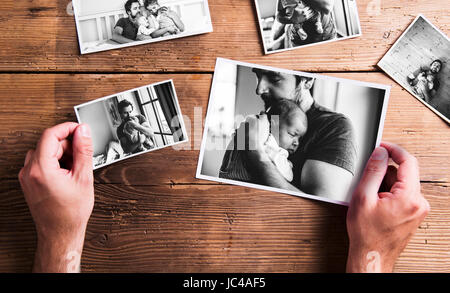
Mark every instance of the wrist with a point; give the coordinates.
(59, 253)
(368, 261)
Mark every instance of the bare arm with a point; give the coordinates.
(117, 36)
(176, 19)
(159, 32)
(325, 179)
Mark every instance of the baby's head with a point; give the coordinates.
(292, 124)
(142, 21)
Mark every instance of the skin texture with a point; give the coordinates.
(58, 185)
(385, 210)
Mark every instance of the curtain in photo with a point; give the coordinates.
(165, 94)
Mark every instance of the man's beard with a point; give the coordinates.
(269, 100)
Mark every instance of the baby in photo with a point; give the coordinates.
(162, 14)
(136, 136)
(282, 142)
(426, 77)
(290, 6)
(143, 27)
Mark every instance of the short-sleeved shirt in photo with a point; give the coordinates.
(124, 140)
(129, 28)
(330, 138)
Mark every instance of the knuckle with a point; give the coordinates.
(374, 167)
(35, 174)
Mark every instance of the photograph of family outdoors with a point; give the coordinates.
(133, 122)
(292, 132)
(418, 61)
(289, 24)
(110, 24)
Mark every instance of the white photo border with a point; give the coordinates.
(393, 48)
(180, 115)
(219, 63)
(266, 52)
(208, 29)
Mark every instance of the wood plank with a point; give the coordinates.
(176, 223)
(32, 102)
(195, 228)
(44, 39)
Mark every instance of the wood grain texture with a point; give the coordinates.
(151, 216)
(44, 38)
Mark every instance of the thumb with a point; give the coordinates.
(82, 151)
(373, 175)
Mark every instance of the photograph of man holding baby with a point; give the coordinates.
(419, 62)
(292, 133)
(133, 122)
(287, 24)
(109, 24)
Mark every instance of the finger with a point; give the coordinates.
(408, 169)
(373, 175)
(65, 148)
(82, 152)
(390, 178)
(49, 144)
(28, 157)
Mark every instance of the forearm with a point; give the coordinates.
(159, 32)
(367, 261)
(121, 39)
(59, 253)
(147, 131)
(178, 22)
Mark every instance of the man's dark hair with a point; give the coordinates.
(148, 2)
(128, 5)
(438, 61)
(123, 104)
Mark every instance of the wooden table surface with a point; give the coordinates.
(151, 214)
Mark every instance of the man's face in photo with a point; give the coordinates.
(125, 113)
(134, 10)
(273, 86)
(153, 7)
(435, 67)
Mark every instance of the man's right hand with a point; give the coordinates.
(381, 222)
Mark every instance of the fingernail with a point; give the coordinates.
(85, 130)
(379, 154)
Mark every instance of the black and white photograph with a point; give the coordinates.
(110, 24)
(419, 62)
(133, 122)
(291, 132)
(291, 24)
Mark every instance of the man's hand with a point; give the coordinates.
(380, 222)
(60, 199)
(258, 131)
